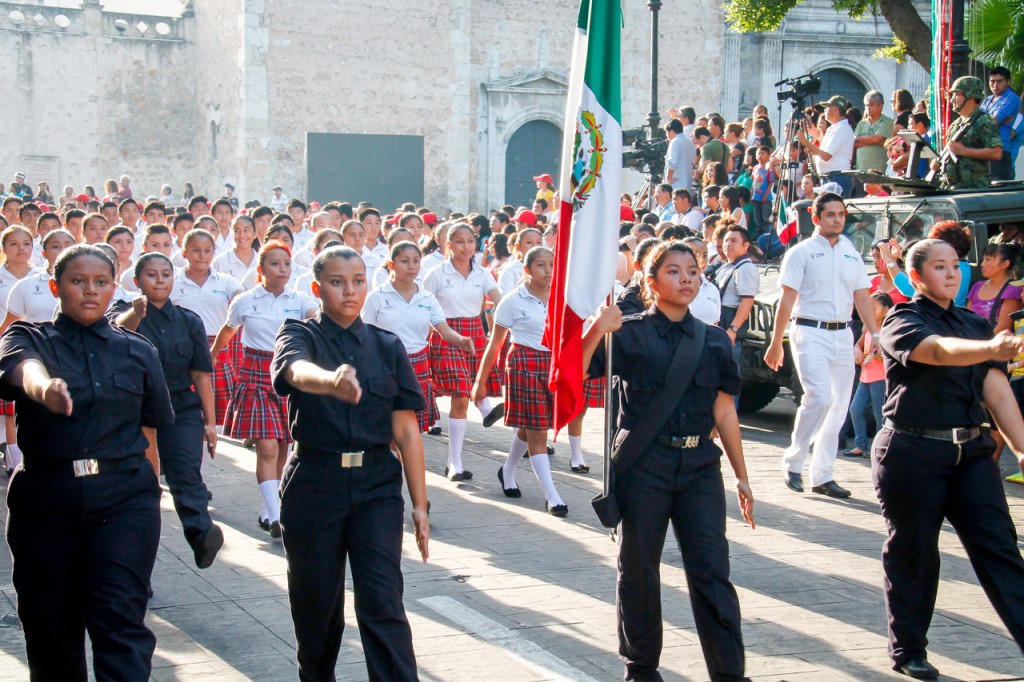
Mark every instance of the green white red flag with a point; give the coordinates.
(588, 223)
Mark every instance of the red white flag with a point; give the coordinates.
(787, 225)
(588, 223)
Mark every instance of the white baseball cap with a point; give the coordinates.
(833, 187)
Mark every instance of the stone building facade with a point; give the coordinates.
(227, 90)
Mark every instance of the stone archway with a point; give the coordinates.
(843, 82)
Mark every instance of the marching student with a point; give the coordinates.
(84, 508)
(31, 298)
(17, 265)
(119, 291)
(461, 286)
(208, 293)
(282, 233)
(351, 391)
(255, 411)
(180, 340)
(528, 405)
(676, 381)
(512, 272)
(156, 238)
(404, 308)
(123, 240)
(238, 261)
(304, 282)
(933, 459)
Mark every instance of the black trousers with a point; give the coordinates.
(330, 514)
(181, 456)
(919, 484)
(684, 487)
(83, 551)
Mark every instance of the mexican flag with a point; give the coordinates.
(588, 222)
(787, 226)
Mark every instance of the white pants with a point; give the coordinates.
(824, 363)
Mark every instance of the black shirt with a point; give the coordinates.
(115, 382)
(920, 396)
(642, 352)
(383, 369)
(631, 301)
(180, 341)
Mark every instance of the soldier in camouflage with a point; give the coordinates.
(973, 139)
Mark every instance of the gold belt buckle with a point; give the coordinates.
(691, 442)
(85, 467)
(351, 460)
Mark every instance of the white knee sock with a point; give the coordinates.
(263, 508)
(542, 468)
(456, 435)
(269, 491)
(13, 455)
(484, 406)
(515, 453)
(576, 445)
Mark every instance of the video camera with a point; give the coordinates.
(799, 89)
(646, 155)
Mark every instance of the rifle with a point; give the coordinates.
(947, 154)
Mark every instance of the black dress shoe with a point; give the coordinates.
(209, 494)
(275, 529)
(919, 668)
(831, 489)
(557, 510)
(207, 545)
(434, 431)
(463, 475)
(495, 414)
(794, 482)
(581, 469)
(509, 492)
(264, 523)
(551, 451)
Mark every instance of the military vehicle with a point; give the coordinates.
(906, 216)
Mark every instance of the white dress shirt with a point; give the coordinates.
(523, 315)
(260, 314)
(824, 277)
(460, 296)
(410, 321)
(838, 142)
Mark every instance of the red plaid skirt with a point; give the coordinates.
(499, 364)
(593, 391)
(452, 370)
(429, 415)
(255, 411)
(529, 402)
(6, 408)
(223, 382)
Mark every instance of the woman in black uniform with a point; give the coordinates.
(351, 390)
(678, 476)
(180, 340)
(933, 461)
(84, 520)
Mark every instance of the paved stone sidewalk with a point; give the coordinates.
(512, 594)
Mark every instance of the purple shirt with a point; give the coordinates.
(983, 306)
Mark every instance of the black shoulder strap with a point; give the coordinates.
(997, 303)
(680, 373)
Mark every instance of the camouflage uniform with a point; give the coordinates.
(982, 133)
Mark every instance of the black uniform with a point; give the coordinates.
(681, 485)
(180, 340)
(330, 511)
(84, 520)
(922, 479)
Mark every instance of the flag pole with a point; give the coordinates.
(609, 417)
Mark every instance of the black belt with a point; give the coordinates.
(681, 442)
(82, 467)
(347, 459)
(830, 326)
(957, 436)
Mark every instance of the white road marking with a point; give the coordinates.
(528, 653)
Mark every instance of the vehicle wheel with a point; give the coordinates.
(756, 396)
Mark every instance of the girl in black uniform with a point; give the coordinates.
(180, 339)
(678, 476)
(84, 520)
(932, 461)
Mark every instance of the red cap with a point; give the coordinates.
(314, 206)
(524, 216)
(626, 213)
(429, 218)
(83, 198)
(545, 177)
(393, 220)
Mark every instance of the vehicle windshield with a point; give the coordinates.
(910, 222)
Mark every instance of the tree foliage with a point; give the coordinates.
(909, 29)
(995, 33)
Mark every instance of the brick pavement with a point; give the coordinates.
(512, 594)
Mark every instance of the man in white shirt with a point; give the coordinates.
(279, 202)
(836, 150)
(686, 214)
(822, 279)
(680, 156)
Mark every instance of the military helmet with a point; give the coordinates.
(970, 87)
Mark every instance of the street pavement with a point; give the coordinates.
(511, 594)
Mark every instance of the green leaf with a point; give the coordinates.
(897, 50)
(995, 33)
